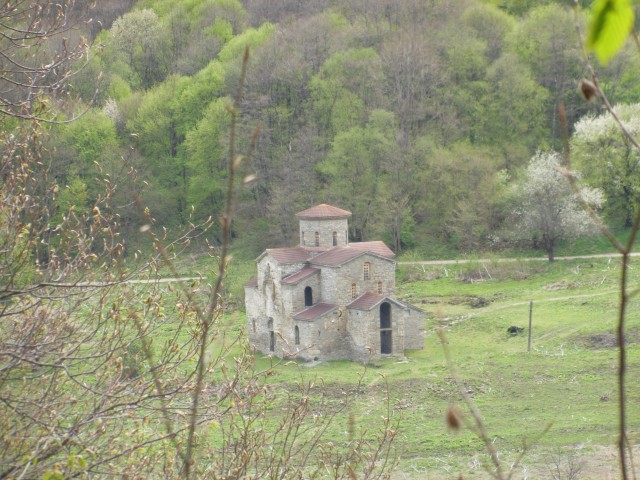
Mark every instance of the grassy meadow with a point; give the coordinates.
(567, 382)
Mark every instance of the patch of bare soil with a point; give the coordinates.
(474, 301)
(608, 339)
(564, 285)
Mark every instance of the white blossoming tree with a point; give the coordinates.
(548, 209)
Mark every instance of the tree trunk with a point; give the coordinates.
(550, 253)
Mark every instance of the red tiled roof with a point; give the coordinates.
(299, 275)
(315, 311)
(323, 211)
(369, 300)
(336, 256)
(377, 247)
(251, 283)
(339, 255)
(290, 255)
(366, 301)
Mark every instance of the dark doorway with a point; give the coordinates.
(272, 335)
(386, 339)
(308, 297)
(385, 342)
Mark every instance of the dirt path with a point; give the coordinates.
(491, 309)
(507, 260)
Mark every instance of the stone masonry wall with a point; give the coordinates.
(353, 272)
(325, 228)
(293, 295)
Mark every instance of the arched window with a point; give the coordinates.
(317, 239)
(296, 332)
(335, 239)
(354, 290)
(379, 288)
(366, 270)
(308, 297)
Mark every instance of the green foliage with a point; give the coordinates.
(610, 27)
(154, 124)
(460, 192)
(222, 29)
(471, 77)
(73, 197)
(92, 136)
(206, 149)
(251, 38)
(513, 110)
(119, 88)
(356, 168)
(196, 93)
(345, 88)
(138, 37)
(489, 24)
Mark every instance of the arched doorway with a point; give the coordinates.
(308, 297)
(386, 340)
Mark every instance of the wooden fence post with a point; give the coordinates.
(530, 318)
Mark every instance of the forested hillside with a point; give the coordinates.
(418, 116)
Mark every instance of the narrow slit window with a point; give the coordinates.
(366, 270)
(335, 239)
(317, 239)
(379, 288)
(354, 290)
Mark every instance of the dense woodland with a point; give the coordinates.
(418, 116)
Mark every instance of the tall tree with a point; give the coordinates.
(141, 40)
(547, 42)
(512, 117)
(345, 89)
(355, 170)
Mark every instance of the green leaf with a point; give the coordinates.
(610, 26)
(52, 475)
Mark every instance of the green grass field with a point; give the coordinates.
(568, 379)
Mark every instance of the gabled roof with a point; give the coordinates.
(323, 211)
(315, 311)
(300, 275)
(378, 247)
(340, 255)
(370, 300)
(289, 255)
(366, 301)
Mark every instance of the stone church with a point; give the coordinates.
(329, 298)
